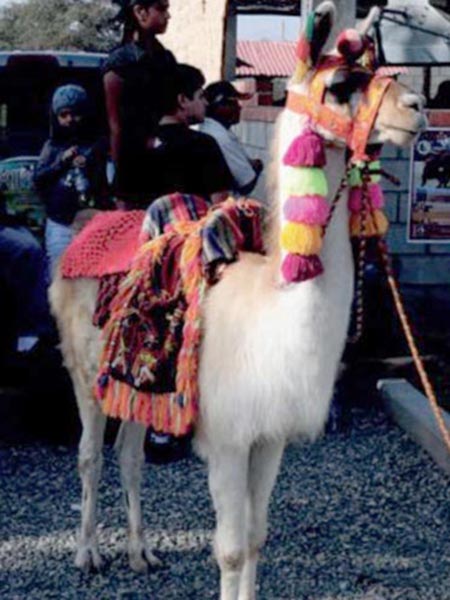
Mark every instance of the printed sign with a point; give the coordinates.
(429, 203)
(17, 190)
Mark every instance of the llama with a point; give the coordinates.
(269, 354)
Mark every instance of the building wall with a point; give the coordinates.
(196, 34)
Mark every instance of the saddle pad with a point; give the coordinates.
(105, 246)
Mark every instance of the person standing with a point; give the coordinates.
(135, 76)
(71, 171)
(224, 111)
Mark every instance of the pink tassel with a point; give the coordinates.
(307, 150)
(376, 196)
(296, 267)
(355, 198)
(310, 210)
(303, 49)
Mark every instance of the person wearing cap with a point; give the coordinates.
(134, 77)
(71, 159)
(224, 111)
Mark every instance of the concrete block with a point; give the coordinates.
(403, 208)
(428, 270)
(389, 151)
(411, 410)
(254, 133)
(391, 206)
(401, 169)
(440, 249)
(398, 244)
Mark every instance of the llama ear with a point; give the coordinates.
(365, 26)
(317, 30)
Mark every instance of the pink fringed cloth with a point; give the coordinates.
(106, 245)
(149, 366)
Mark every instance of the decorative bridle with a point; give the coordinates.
(306, 211)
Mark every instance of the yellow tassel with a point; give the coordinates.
(301, 68)
(378, 225)
(297, 238)
(382, 224)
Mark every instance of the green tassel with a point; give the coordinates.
(303, 181)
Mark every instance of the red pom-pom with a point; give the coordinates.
(350, 44)
(297, 268)
(307, 150)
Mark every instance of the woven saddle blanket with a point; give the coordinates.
(149, 302)
(149, 367)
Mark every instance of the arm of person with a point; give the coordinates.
(245, 171)
(217, 177)
(51, 164)
(96, 162)
(113, 86)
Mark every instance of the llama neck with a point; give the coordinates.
(293, 125)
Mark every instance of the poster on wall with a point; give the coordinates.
(429, 202)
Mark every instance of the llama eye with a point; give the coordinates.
(345, 87)
(341, 92)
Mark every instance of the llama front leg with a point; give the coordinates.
(130, 448)
(228, 485)
(90, 461)
(264, 464)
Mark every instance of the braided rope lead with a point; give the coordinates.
(418, 362)
(366, 209)
(336, 199)
(384, 253)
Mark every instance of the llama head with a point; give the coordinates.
(341, 89)
(340, 98)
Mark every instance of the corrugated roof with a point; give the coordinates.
(270, 59)
(284, 7)
(277, 59)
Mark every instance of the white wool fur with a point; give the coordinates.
(269, 358)
(270, 353)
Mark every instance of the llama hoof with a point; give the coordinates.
(142, 560)
(88, 559)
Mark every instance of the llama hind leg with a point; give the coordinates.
(90, 461)
(228, 485)
(130, 448)
(264, 464)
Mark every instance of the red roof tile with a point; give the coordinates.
(270, 59)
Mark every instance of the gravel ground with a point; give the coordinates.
(360, 515)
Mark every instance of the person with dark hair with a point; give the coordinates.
(135, 75)
(224, 111)
(71, 171)
(23, 281)
(185, 160)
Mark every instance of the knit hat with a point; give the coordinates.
(69, 96)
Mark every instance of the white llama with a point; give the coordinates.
(269, 357)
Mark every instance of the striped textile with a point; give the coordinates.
(149, 365)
